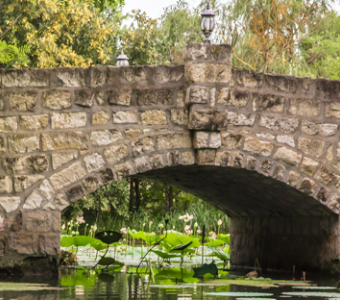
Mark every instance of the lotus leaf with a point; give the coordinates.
(313, 294)
(225, 238)
(98, 245)
(108, 237)
(214, 243)
(221, 255)
(239, 294)
(67, 241)
(165, 255)
(181, 247)
(315, 287)
(206, 269)
(83, 240)
(106, 261)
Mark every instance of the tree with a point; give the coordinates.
(76, 35)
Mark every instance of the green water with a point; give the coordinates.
(80, 283)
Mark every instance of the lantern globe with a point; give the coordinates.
(207, 23)
(122, 60)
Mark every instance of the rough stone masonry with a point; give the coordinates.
(263, 148)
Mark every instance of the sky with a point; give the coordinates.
(154, 8)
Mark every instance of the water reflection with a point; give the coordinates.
(128, 286)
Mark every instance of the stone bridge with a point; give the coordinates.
(262, 148)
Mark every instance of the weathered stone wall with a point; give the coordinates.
(65, 132)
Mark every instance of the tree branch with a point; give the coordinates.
(10, 27)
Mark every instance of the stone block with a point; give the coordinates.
(46, 189)
(59, 159)
(23, 182)
(334, 203)
(37, 221)
(125, 117)
(120, 97)
(222, 158)
(69, 77)
(203, 51)
(30, 164)
(180, 101)
(206, 72)
(23, 243)
(188, 158)
(302, 107)
(60, 202)
(256, 146)
(288, 156)
(324, 129)
(279, 172)
(94, 162)
(206, 157)
(8, 124)
(154, 117)
(265, 167)
(68, 120)
(332, 110)
(166, 74)
(231, 139)
(268, 102)
(2, 145)
(201, 118)
(33, 201)
(131, 133)
(5, 184)
(25, 78)
(238, 159)
(133, 73)
(91, 184)
(311, 147)
(286, 125)
(323, 194)
(49, 244)
(241, 119)
(107, 176)
(286, 139)
(157, 161)
(105, 137)
(143, 145)
(36, 122)
(64, 140)
(149, 97)
(309, 166)
(141, 164)
(10, 204)
(75, 193)
(248, 79)
(22, 143)
(68, 176)
(25, 101)
(207, 139)
(173, 141)
(329, 151)
(100, 118)
(116, 153)
(234, 98)
(84, 97)
(328, 177)
(172, 158)
(307, 186)
(251, 163)
(123, 170)
(179, 116)
(56, 99)
(199, 94)
(293, 178)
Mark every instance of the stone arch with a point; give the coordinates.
(65, 132)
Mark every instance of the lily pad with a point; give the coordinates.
(106, 261)
(108, 237)
(313, 294)
(239, 294)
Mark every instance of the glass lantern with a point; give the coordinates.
(122, 60)
(207, 23)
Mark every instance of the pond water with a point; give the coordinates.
(125, 284)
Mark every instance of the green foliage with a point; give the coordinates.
(11, 55)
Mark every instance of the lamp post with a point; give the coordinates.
(122, 60)
(207, 23)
